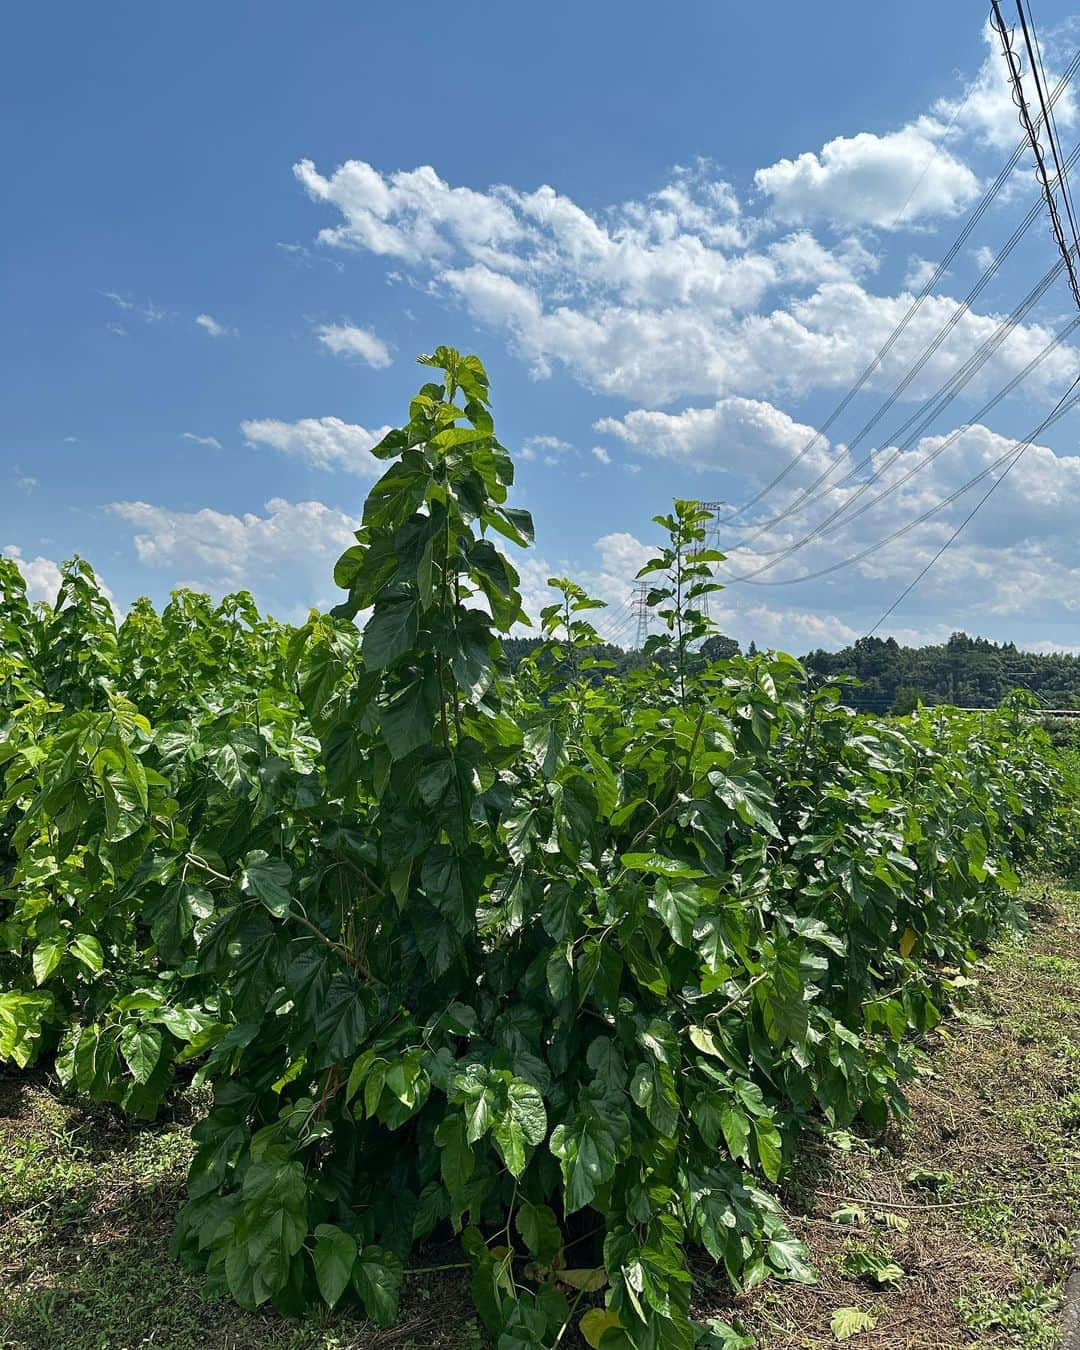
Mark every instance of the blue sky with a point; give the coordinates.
(675, 238)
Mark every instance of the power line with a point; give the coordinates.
(1038, 75)
(1064, 403)
(618, 624)
(933, 158)
(1059, 407)
(621, 618)
(1013, 63)
(1067, 254)
(806, 496)
(973, 219)
(616, 630)
(831, 523)
(1054, 416)
(621, 637)
(923, 417)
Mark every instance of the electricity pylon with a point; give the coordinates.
(640, 607)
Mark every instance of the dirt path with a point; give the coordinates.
(965, 1221)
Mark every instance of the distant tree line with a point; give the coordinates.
(966, 671)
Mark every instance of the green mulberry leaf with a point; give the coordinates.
(334, 1257)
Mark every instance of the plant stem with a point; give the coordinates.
(734, 1002)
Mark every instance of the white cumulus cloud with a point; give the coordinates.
(745, 435)
(286, 554)
(42, 575)
(674, 296)
(323, 442)
(985, 109)
(346, 339)
(867, 179)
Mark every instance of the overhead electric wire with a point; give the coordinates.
(1031, 128)
(972, 221)
(1067, 401)
(1059, 408)
(1050, 121)
(620, 616)
(617, 636)
(945, 395)
(925, 416)
(1064, 405)
(758, 528)
(933, 158)
(620, 623)
(830, 524)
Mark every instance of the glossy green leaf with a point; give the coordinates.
(141, 1046)
(334, 1257)
(268, 879)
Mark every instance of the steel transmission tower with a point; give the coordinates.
(712, 541)
(640, 607)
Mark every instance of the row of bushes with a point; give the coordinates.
(556, 963)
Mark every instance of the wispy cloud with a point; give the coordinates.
(149, 312)
(548, 449)
(211, 441)
(303, 256)
(210, 325)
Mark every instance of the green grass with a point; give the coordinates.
(87, 1203)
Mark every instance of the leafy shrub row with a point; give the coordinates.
(558, 964)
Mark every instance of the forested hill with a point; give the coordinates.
(969, 672)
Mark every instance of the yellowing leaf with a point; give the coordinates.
(907, 942)
(849, 1214)
(848, 1322)
(589, 1281)
(704, 1041)
(595, 1322)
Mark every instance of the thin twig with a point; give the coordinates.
(950, 1204)
(432, 1270)
(569, 1316)
(205, 866)
(734, 1002)
(353, 960)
